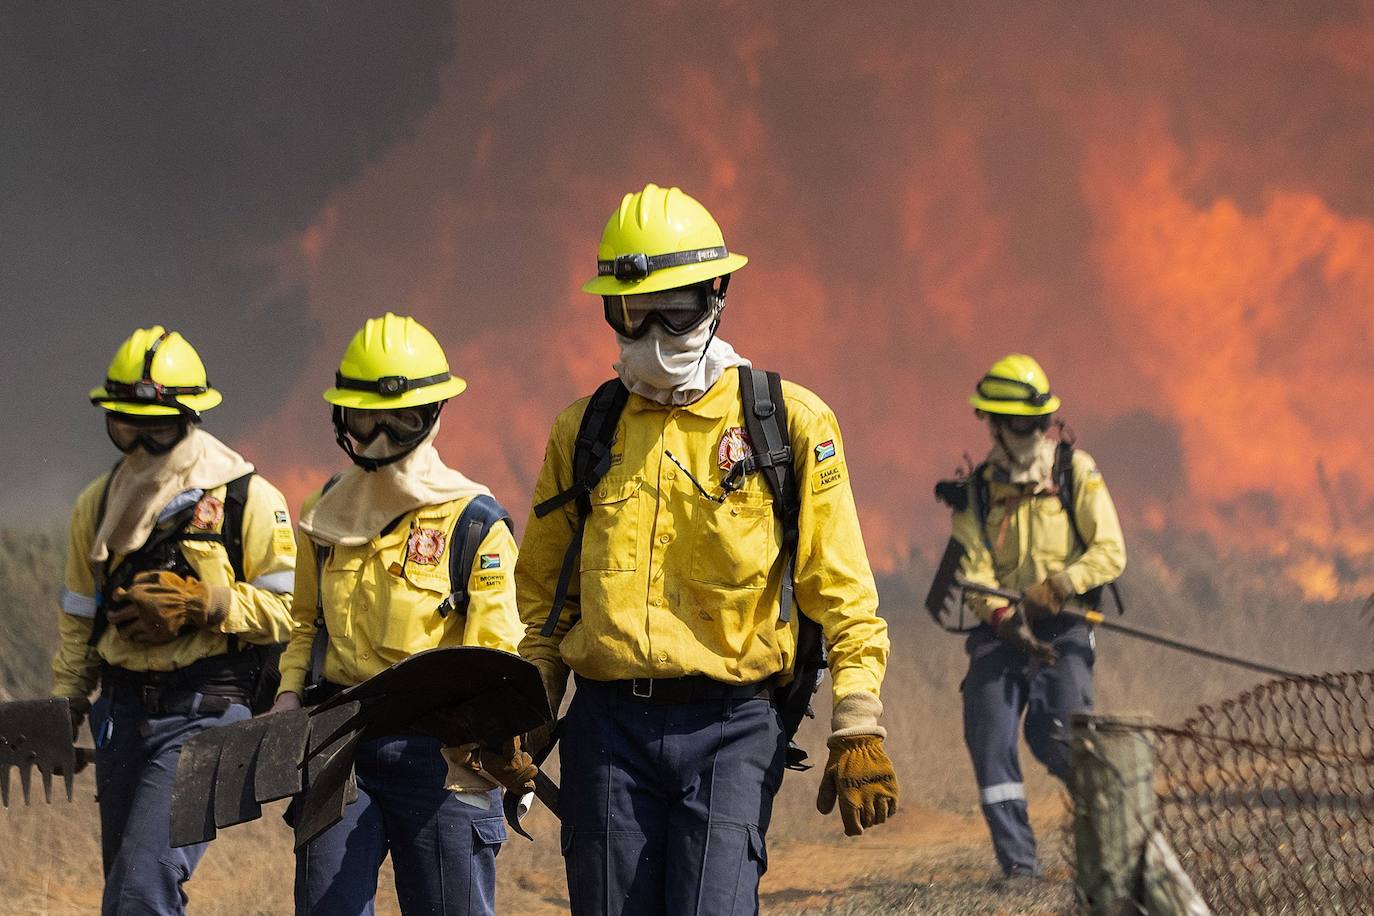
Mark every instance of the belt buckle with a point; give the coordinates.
(648, 689)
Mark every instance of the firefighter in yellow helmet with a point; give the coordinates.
(694, 539)
(180, 566)
(1034, 517)
(381, 581)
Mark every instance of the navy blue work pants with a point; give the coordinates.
(1003, 684)
(443, 850)
(135, 769)
(665, 807)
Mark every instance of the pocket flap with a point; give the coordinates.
(613, 490)
(757, 848)
(489, 831)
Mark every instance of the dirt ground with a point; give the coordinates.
(925, 861)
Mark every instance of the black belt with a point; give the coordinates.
(169, 693)
(693, 688)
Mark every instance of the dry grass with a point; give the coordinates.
(934, 859)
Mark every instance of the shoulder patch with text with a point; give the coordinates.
(825, 478)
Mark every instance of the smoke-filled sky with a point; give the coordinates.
(1169, 204)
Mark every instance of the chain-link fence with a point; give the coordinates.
(1267, 800)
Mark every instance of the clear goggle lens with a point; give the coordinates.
(678, 310)
(155, 434)
(403, 426)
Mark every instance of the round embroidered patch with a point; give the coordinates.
(209, 513)
(734, 446)
(426, 546)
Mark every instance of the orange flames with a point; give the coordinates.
(1173, 214)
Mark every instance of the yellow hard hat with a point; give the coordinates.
(659, 239)
(156, 373)
(393, 362)
(1016, 386)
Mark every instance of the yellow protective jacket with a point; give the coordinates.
(259, 612)
(381, 599)
(1032, 536)
(671, 583)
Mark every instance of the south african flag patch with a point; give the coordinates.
(825, 450)
(490, 561)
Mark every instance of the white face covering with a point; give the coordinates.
(1026, 458)
(674, 370)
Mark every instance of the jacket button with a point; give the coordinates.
(734, 512)
(662, 657)
(664, 538)
(657, 602)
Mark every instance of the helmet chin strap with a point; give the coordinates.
(719, 296)
(363, 461)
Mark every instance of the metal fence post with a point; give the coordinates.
(1113, 808)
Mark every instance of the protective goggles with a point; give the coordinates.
(1022, 426)
(1011, 391)
(157, 435)
(678, 311)
(403, 426)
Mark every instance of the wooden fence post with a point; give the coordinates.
(1113, 808)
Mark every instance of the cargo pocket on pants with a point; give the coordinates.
(488, 832)
(758, 850)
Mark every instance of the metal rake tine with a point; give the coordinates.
(25, 780)
(46, 775)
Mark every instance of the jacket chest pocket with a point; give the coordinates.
(611, 539)
(347, 593)
(408, 605)
(735, 541)
(1051, 535)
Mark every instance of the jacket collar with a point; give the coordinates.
(716, 403)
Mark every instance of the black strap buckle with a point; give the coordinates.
(642, 687)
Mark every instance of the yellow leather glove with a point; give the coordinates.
(509, 765)
(159, 605)
(1045, 599)
(860, 776)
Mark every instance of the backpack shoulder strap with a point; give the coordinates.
(235, 501)
(980, 497)
(1064, 482)
(1068, 495)
(474, 523)
(590, 462)
(319, 646)
(765, 419)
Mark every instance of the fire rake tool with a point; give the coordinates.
(37, 735)
(1097, 619)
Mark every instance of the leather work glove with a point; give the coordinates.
(858, 774)
(1015, 630)
(159, 605)
(1045, 599)
(510, 765)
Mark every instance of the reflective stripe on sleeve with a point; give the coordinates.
(1003, 791)
(78, 605)
(280, 583)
